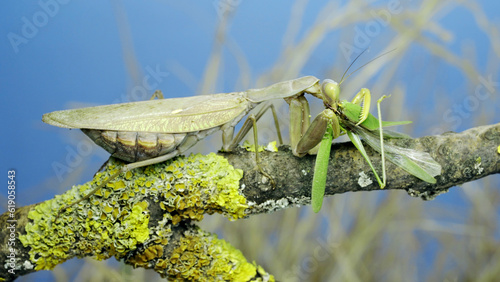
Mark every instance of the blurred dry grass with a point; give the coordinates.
(378, 236)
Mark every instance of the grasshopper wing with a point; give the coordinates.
(417, 163)
(174, 115)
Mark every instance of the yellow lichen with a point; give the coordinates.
(202, 184)
(271, 147)
(251, 147)
(114, 221)
(142, 259)
(201, 256)
(105, 228)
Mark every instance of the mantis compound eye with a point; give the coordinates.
(331, 91)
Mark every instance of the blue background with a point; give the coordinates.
(81, 53)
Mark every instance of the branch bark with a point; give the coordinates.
(464, 157)
(169, 240)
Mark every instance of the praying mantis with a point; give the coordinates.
(150, 132)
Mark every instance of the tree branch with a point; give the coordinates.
(145, 216)
(464, 157)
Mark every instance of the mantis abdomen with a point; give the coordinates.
(138, 146)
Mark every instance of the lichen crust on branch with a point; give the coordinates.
(201, 256)
(134, 216)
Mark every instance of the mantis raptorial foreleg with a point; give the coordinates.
(314, 133)
(299, 120)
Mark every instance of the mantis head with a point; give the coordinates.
(331, 92)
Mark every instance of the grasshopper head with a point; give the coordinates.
(331, 92)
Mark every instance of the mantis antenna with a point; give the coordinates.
(346, 77)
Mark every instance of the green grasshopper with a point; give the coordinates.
(343, 117)
(149, 132)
